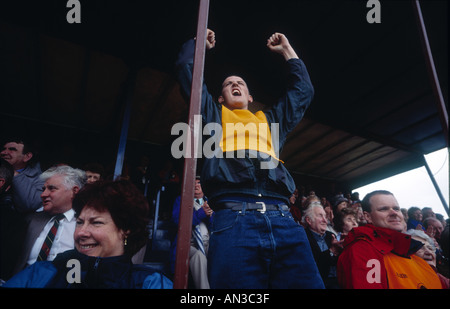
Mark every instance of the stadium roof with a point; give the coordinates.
(374, 113)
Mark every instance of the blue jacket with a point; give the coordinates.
(27, 189)
(105, 273)
(412, 224)
(237, 176)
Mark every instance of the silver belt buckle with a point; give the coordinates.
(263, 210)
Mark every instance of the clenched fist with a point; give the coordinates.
(210, 39)
(278, 43)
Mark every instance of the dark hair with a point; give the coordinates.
(339, 218)
(338, 200)
(126, 204)
(95, 168)
(28, 146)
(412, 210)
(365, 203)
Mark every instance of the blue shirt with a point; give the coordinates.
(320, 239)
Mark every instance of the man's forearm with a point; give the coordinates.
(289, 53)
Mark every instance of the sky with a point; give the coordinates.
(414, 188)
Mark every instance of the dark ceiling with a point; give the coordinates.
(373, 115)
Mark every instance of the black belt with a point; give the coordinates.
(259, 206)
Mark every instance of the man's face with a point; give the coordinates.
(56, 198)
(12, 152)
(235, 93)
(385, 212)
(318, 223)
(435, 229)
(198, 192)
(92, 177)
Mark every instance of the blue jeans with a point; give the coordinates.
(251, 250)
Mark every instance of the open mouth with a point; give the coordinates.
(236, 93)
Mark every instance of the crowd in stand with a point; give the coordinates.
(31, 201)
(336, 219)
(66, 227)
(65, 213)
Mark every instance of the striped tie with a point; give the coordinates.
(198, 239)
(197, 235)
(47, 245)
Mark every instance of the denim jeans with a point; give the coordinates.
(253, 250)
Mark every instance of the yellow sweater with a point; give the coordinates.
(243, 130)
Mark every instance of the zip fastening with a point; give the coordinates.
(97, 261)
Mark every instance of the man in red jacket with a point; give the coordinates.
(378, 255)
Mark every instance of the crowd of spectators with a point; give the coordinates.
(328, 221)
(82, 195)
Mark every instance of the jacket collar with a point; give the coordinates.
(97, 272)
(88, 260)
(384, 240)
(32, 171)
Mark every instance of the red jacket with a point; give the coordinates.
(380, 258)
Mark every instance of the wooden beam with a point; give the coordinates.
(190, 162)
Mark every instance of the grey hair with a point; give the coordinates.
(72, 176)
(309, 211)
(423, 235)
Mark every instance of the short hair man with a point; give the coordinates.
(433, 228)
(61, 183)
(26, 187)
(247, 181)
(378, 255)
(427, 212)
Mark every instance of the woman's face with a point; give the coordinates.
(96, 234)
(349, 223)
(417, 215)
(426, 252)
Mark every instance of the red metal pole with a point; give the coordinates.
(190, 162)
